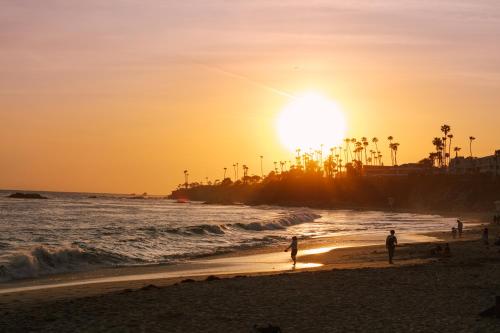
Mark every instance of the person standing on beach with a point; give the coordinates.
(390, 244)
(295, 247)
(460, 226)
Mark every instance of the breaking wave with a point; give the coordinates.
(279, 223)
(79, 256)
(43, 261)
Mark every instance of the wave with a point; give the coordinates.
(280, 223)
(43, 261)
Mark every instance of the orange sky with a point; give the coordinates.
(122, 96)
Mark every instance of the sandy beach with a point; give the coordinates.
(332, 290)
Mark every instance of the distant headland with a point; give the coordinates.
(353, 176)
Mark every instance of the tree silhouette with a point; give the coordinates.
(471, 138)
(375, 140)
(186, 175)
(261, 166)
(445, 129)
(365, 145)
(450, 136)
(394, 148)
(390, 138)
(438, 143)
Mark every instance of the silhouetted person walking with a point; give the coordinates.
(390, 244)
(460, 226)
(295, 247)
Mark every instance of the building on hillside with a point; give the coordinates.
(396, 171)
(486, 165)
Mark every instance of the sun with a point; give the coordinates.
(309, 121)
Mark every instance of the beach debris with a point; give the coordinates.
(267, 329)
(494, 311)
(188, 281)
(212, 278)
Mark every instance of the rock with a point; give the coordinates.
(26, 196)
(212, 278)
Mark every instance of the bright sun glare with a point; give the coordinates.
(309, 121)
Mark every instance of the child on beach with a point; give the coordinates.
(294, 247)
(390, 244)
(454, 232)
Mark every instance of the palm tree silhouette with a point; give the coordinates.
(395, 149)
(186, 175)
(471, 138)
(261, 167)
(375, 140)
(347, 149)
(390, 138)
(365, 144)
(450, 136)
(353, 141)
(439, 146)
(445, 129)
(225, 169)
(456, 150)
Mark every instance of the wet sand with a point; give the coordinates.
(354, 289)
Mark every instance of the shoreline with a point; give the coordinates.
(258, 260)
(352, 282)
(317, 254)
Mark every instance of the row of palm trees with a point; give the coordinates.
(442, 156)
(352, 152)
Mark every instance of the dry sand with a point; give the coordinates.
(354, 291)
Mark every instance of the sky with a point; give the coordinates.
(122, 96)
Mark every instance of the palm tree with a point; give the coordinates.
(445, 129)
(261, 168)
(235, 174)
(375, 140)
(390, 138)
(298, 158)
(353, 151)
(365, 144)
(186, 175)
(395, 149)
(450, 136)
(347, 149)
(471, 138)
(456, 150)
(225, 169)
(438, 142)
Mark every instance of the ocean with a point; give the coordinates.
(71, 232)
